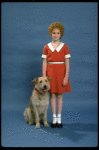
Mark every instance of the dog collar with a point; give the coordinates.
(38, 91)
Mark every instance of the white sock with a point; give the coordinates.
(59, 118)
(54, 118)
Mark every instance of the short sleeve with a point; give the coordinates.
(67, 53)
(44, 55)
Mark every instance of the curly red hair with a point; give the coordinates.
(56, 25)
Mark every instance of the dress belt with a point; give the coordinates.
(56, 62)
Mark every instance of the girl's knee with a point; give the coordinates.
(53, 95)
(59, 96)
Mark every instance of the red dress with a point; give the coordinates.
(57, 71)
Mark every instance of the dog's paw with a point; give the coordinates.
(30, 123)
(37, 126)
(46, 125)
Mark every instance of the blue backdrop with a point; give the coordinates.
(24, 33)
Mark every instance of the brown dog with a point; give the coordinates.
(39, 101)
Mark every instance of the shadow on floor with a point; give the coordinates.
(73, 132)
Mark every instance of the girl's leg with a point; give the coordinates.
(53, 106)
(53, 102)
(59, 107)
(59, 103)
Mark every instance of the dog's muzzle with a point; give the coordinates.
(44, 88)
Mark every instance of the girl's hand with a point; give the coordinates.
(65, 81)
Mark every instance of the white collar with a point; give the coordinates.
(57, 49)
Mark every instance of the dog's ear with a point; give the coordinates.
(49, 79)
(35, 80)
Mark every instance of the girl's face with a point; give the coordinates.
(56, 34)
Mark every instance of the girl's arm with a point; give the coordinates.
(65, 80)
(67, 67)
(44, 66)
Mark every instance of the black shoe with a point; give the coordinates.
(59, 125)
(53, 125)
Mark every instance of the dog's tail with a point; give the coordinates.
(28, 116)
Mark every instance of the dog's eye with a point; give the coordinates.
(46, 81)
(41, 81)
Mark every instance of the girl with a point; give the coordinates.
(54, 55)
